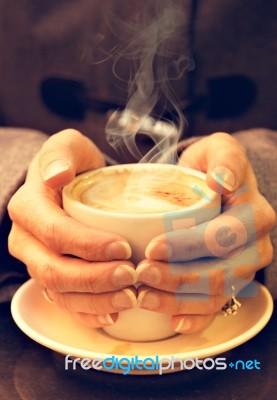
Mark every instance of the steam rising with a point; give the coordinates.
(151, 40)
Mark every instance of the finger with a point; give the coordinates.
(219, 237)
(206, 276)
(95, 321)
(223, 159)
(63, 234)
(175, 304)
(191, 323)
(65, 154)
(98, 304)
(66, 274)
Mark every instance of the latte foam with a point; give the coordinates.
(137, 192)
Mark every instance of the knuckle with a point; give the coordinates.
(271, 216)
(188, 249)
(180, 305)
(93, 305)
(53, 235)
(93, 285)
(85, 246)
(88, 304)
(265, 213)
(61, 237)
(82, 246)
(270, 254)
(16, 247)
(21, 206)
(184, 282)
(91, 249)
(11, 208)
(63, 300)
(267, 253)
(180, 281)
(217, 283)
(237, 150)
(15, 204)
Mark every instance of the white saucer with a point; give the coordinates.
(55, 329)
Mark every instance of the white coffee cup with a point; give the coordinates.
(139, 229)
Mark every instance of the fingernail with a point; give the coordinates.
(105, 319)
(183, 326)
(224, 177)
(124, 275)
(148, 300)
(159, 251)
(149, 274)
(56, 168)
(124, 299)
(118, 250)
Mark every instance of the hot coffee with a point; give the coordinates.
(138, 191)
(140, 202)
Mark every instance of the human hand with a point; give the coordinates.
(189, 273)
(83, 270)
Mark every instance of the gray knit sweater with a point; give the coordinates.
(18, 146)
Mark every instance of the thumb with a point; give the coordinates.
(222, 158)
(64, 155)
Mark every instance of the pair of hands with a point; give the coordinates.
(88, 272)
